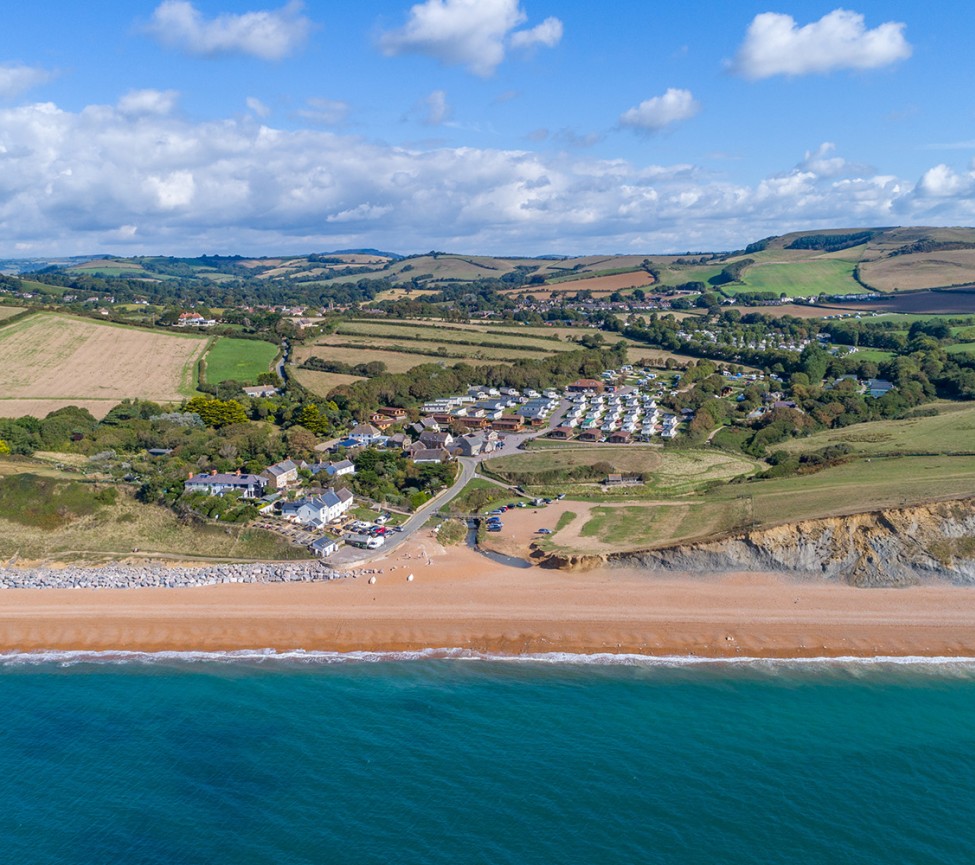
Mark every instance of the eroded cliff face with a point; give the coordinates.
(896, 547)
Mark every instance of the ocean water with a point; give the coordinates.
(319, 759)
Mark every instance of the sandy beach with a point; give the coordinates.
(460, 599)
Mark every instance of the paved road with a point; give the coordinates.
(468, 469)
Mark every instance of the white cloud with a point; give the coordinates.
(16, 78)
(266, 34)
(470, 33)
(548, 33)
(101, 179)
(148, 102)
(259, 108)
(941, 181)
(654, 114)
(329, 112)
(776, 45)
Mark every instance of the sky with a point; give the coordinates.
(499, 127)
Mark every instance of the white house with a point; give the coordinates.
(365, 434)
(318, 511)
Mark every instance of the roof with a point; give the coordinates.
(282, 467)
(429, 455)
(364, 429)
(323, 544)
(204, 479)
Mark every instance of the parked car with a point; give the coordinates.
(544, 532)
(495, 527)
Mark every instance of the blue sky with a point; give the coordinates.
(492, 126)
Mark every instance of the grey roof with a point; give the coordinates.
(226, 480)
(281, 468)
(429, 455)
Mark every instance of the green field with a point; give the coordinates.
(666, 472)
(951, 431)
(240, 360)
(851, 488)
(800, 279)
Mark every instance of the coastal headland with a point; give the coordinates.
(458, 598)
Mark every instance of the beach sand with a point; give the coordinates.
(460, 599)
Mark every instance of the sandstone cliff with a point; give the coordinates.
(896, 547)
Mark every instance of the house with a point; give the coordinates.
(586, 384)
(399, 440)
(590, 435)
(382, 422)
(281, 474)
(395, 413)
(263, 390)
(476, 443)
(324, 547)
(193, 319)
(561, 432)
(216, 484)
(319, 510)
(619, 438)
(342, 467)
(436, 440)
(364, 434)
(877, 387)
(430, 455)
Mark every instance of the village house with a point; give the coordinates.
(619, 438)
(586, 384)
(364, 434)
(319, 510)
(430, 455)
(193, 319)
(217, 484)
(436, 439)
(342, 467)
(396, 413)
(563, 433)
(382, 422)
(281, 474)
(263, 390)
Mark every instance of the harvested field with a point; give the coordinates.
(439, 333)
(322, 383)
(395, 361)
(10, 311)
(597, 284)
(920, 270)
(43, 407)
(51, 361)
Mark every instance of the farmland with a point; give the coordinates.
(322, 383)
(950, 431)
(48, 361)
(801, 279)
(240, 360)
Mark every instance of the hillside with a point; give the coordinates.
(804, 264)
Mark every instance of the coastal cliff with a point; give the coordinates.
(893, 547)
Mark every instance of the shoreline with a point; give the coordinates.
(460, 599)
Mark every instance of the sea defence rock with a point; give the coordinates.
(120, 576)
(890, 547)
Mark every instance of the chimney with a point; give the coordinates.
(213, 472)
(237, 473)
(190, 475)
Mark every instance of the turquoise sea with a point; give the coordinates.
(319, 759)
